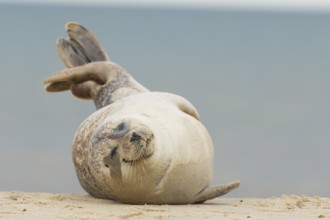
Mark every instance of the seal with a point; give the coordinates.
(139, 147)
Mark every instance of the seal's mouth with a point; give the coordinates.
(133, 148)
(114, 152)
(133, 162)
(138, 138)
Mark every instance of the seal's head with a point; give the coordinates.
(120, 141)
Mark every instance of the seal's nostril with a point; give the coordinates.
(135, 137)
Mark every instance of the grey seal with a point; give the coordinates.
(139, 147)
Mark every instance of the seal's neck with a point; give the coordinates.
(118, 87)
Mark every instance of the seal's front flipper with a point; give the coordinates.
(212, 192)
(113, 162)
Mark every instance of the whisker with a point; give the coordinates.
(131, 173)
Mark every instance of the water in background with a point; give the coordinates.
(260, 81)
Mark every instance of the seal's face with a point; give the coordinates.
(121, 142)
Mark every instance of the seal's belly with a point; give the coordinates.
(175, 162)
(177, 186)
(181, 168)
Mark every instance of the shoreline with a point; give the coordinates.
(25, 205)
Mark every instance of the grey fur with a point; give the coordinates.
(116, 89)
(69, 54)
(139, 146)
(104, 84)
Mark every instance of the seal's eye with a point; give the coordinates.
(135, 137)
(121, 127)
(117, 132)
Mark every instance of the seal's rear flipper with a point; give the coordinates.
(70, 55)
(212, 192)
(82, 80)
(90, 74)
(104, 82)
(81, 48)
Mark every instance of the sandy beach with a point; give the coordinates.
(24, 205)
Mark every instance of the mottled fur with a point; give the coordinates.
(139, 146)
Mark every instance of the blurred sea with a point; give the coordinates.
(260, 80)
